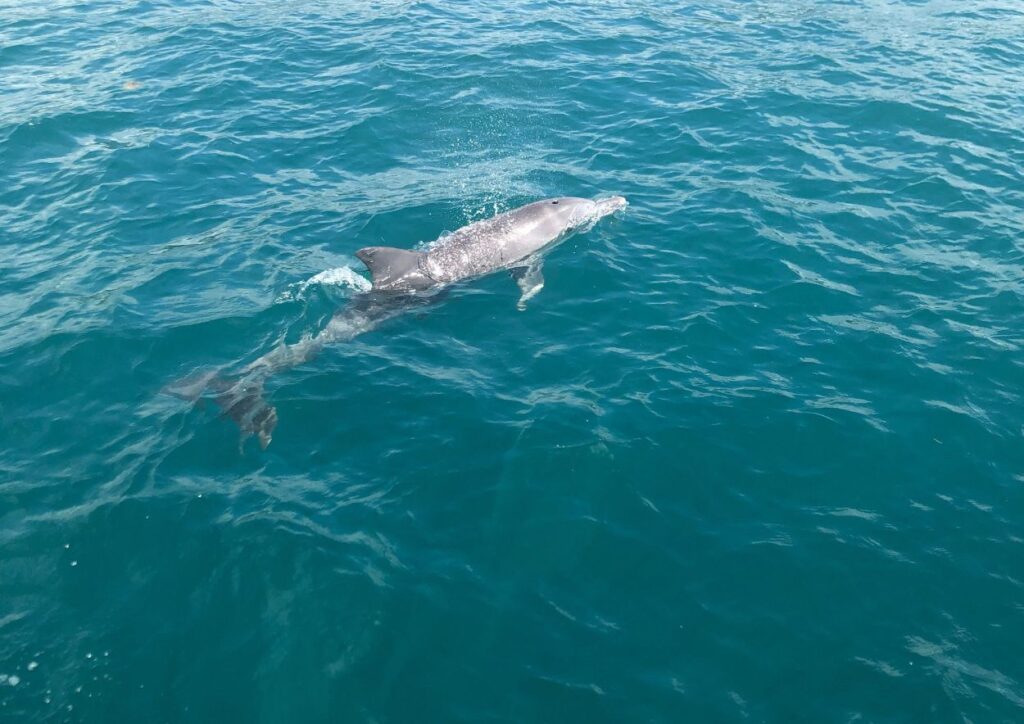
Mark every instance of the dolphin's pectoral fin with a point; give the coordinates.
(530, 280)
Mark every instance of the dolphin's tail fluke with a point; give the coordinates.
(192, 387)
(244, 403)
(242, 400)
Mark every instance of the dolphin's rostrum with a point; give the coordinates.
(405, 279)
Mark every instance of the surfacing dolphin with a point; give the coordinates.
(405, 279)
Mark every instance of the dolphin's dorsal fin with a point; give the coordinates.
(388, 265)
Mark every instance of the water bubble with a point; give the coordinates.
(74, 563)
(14, 680)
(32, 665)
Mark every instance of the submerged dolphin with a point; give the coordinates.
(405, 279)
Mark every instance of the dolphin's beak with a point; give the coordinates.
(611, 205)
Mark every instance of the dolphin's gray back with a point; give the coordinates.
(500, 241)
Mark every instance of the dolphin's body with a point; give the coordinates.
(513, 240)
(405, 279)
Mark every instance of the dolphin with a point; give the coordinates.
(404, 279)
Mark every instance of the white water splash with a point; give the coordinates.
(342, 276)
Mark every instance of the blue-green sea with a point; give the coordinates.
(755, 453)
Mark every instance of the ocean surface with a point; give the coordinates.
(755, 453)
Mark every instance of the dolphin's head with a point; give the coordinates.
(578, 214)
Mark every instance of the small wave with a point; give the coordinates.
(344, 277)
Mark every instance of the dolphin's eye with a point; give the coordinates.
(554, 202)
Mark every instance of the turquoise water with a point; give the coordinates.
(756, 452)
